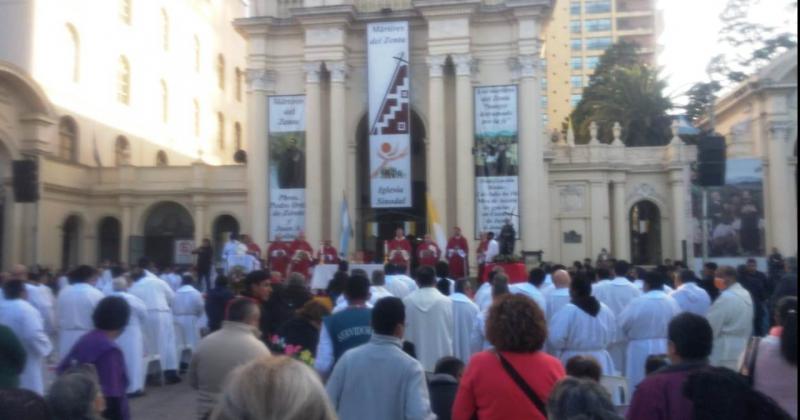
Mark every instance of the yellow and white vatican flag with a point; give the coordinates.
(434, 225)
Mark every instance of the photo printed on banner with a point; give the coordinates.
(389, 115)
(496, 158)
(287, 166)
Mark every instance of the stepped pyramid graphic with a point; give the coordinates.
(393, 115)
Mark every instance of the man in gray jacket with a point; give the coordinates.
(398, 391)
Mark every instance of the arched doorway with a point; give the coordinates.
(645, 221)
(166, 222)
(108, 240)
(376, 225)
(70, 242)
(223, 227)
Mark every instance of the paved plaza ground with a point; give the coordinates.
(170, 402)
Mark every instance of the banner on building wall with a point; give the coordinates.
(287, 166)
(389, 115)
(496, 158)
(735, 212)
(183, 251)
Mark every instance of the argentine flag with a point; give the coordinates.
(345, 229)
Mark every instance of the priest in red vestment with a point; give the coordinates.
(428, 253)
(399, 249)
(481, 254)
(458, 255)
(302, 256)
(327, 254)
(278, 255)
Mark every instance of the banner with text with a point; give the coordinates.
(389, 115)
(496, 158)
(287, 166)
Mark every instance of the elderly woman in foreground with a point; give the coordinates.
(514, 379)
(274, 388)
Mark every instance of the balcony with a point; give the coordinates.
(282, 8)
(636, 6)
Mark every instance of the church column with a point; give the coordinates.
(601, 232)
(313, 153)
(260, 85)
(200, 220)
(782, 216)
(465, 138)
(677, 209)
(533, 174)
(437, 154)
(339, 156)
(125, 232)
(622, 240)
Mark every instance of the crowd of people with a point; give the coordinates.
(261, 344)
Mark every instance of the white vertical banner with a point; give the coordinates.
(389, 114)
(287, 166)
(496, 158)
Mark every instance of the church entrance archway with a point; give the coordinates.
(645, 218)
(373, 226)
(70, 242)
(109, 239)
(166, 222)
(223, 227)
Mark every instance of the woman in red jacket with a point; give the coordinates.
(517, 329)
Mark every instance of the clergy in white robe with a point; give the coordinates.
(429, 320)
(187, 309)
(530, 288)
(644, 324)
(465, 311)
(131, 341)
(617, 293)
(731, 319)
(74, 308)
(483, 297)
(583, 327)
(691, 297)
(378, 289)
(477, 339)
(559, 296)
(104, 281)
(41, 297)
(159, 330)
(26, 323)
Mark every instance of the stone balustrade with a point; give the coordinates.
(283, 8)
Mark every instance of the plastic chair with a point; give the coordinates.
(617, 387)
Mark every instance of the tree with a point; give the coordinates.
(624, 89)
(701, 96)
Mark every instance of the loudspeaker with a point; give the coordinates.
(711, 157)
(26, 181)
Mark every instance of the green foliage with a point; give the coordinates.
(700, 97)
(624, 89)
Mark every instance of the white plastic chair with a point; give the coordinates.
(617, 387)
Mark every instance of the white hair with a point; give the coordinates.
(274, 388)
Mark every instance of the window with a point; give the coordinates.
(598, 44)
(124, 81)
(576, 44)
(576, 63)
(162, 159)
(164, 101)
(575, 26)
(238, 84)
(597, 25)
(592, 62)
(574, 100)
(74, 53)
(196, 118)
(221, 71)
(68, 139)
(576, 82)
(196, 54)
(575, 8)
(125, 9)
(164, 30)
(220, 131)
(237, 135)
(597, 6)
(122, 151)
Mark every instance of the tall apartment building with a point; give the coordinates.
(578, 34)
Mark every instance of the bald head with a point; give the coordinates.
(19, 272)
(561, 279)
(120, 284)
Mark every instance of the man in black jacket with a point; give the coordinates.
(443, 386)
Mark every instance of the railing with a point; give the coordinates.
(366, 6)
